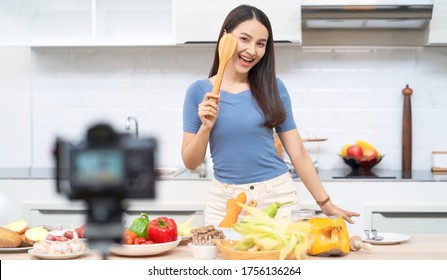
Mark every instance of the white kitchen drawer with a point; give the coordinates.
(74, 214)
(407, 219)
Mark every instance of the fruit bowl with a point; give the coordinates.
(363, 163)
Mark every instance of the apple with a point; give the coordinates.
(355, 151)
(370, 153)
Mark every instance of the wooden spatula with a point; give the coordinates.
(227, 47)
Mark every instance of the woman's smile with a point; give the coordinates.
(244, 61)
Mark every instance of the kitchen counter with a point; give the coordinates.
(333, 175)
(419, 247)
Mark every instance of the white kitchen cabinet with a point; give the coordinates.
(86, 22)
(131, 22)
(134, 22)
(408, 219)
(75, 214)
(52, 22)
(438, 25)
(410, 200)
(37, 201)
(201, 20)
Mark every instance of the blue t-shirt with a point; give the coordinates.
(242, 149)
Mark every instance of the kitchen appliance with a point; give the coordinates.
(366, 14)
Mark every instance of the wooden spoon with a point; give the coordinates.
(227, 47)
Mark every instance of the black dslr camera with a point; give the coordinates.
(104, 169)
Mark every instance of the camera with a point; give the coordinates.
(104, 169)
(106, 163)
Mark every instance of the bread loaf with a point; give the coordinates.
(19, 226)
(35, 234)
(9, 238)
(24, 242)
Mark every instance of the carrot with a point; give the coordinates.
(251, 203)
(233, 210)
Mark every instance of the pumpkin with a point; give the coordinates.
(329, 237)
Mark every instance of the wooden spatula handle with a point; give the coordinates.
(216, 86)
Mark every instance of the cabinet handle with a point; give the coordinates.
(413, 214)
(60, 211)
(159, 212)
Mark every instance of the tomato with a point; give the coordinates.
(140, 240)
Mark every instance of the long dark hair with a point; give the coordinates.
(262, 77)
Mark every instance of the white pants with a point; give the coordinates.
(279, 189)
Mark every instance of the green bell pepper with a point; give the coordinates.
(139, 225)
(272, 209)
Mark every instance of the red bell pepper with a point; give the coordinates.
(162, 229)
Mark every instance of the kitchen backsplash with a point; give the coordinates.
(342, 94)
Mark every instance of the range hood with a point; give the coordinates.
(366, 14)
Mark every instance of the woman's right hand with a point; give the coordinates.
(208, 110)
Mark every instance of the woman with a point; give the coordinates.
(239, 127)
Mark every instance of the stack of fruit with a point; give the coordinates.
(360, 155)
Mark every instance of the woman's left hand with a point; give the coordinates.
(330, 209)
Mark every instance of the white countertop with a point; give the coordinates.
(419, 247)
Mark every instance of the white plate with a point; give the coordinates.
(15, 250)
(144, 250)
(388, 238)
(57, 257)
(185, 237)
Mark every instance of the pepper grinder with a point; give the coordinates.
(406, 134)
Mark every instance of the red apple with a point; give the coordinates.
(355, 151)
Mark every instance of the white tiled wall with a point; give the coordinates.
(15, 107)
(342, 94)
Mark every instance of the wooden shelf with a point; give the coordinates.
(314, 139)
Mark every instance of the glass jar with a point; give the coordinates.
(302, 215)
